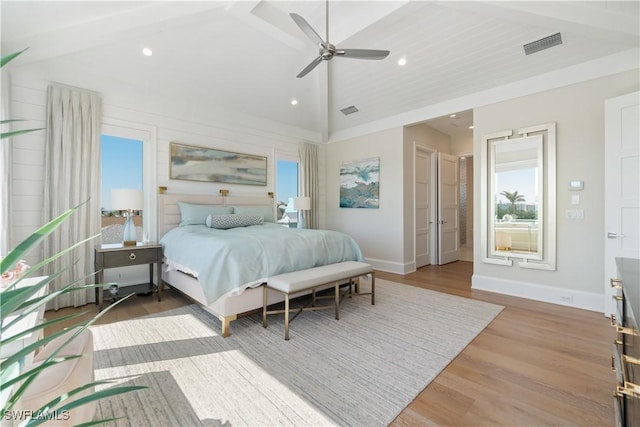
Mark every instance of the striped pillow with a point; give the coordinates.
(224, 222)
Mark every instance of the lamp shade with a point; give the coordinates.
(302, 203)
(124, 199)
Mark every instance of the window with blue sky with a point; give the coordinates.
(286, 180)
(121, 166)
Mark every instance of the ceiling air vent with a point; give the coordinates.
(543, 43)
(349, 110)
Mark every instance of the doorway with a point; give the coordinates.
(443, 189)
(439, 218)
(622, 195)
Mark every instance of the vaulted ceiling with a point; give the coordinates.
(244, 55)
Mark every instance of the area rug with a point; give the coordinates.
(361, 370)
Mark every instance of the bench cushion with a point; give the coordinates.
(305, 279)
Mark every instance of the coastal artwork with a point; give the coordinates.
(210, 165)
(360, 183)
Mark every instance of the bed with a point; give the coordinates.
(222, 268)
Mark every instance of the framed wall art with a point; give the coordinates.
(211, 165)
(360, 183)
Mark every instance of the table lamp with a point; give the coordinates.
(302, 204)
(128, 200)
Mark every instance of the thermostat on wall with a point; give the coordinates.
(576, 185)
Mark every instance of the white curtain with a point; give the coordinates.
(72, 177)
(5, 168)
(309, 186)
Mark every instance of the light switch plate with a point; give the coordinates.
(576, 184)
(574, 213)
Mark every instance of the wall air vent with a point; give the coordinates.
(349, 110)
(542, 44)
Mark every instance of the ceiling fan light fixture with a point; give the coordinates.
(349, 110)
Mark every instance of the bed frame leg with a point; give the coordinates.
(226, 324)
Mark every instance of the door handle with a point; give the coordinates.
(611, 235)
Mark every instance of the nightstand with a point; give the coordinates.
(118, 255)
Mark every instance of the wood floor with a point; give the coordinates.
(536, 364)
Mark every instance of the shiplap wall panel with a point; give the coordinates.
(201, 128)
(27, 202)
(27, 169)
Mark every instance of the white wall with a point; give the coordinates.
(578, 111)
(462, 145)
(427, 136)
(385, 234)
(171, 120)
(379, 232)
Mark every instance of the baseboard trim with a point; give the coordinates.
(561, 296)
(391, 266)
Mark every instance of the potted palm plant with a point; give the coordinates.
(17, 302)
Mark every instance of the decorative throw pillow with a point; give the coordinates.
(194, 214)
(265, 211)
(224, 222)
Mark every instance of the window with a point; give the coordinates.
(286, 189)
(122, 167)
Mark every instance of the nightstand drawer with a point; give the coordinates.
(123, 258)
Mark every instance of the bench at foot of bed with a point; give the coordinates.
(312, 278)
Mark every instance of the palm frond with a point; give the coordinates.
(6, 58)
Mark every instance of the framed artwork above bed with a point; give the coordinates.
(193, 163)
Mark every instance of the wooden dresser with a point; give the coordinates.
(626, 348)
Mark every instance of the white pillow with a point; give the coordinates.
(194, 214)
(224, 222)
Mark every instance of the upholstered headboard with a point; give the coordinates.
(169, 211)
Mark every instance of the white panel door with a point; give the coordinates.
(423, 218)
(448, 209)
(622, 186)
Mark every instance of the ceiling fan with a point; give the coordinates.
(327, 50)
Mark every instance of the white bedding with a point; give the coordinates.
(226, 262)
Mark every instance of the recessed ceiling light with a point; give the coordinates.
(147, 52)
(471, 127)
(294, 101)
(402, 61)
(452, 115)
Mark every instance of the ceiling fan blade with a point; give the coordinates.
(307, 29)
(310, 67)
(362, 53)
